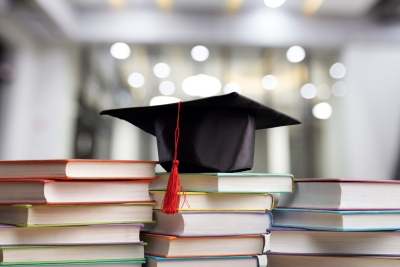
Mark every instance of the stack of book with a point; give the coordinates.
(68, 212)
(225, 223)
(337, 222)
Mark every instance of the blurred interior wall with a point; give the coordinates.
(38, 110)
(362, 137)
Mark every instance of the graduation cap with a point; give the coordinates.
(215, 134)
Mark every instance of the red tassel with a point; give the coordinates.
(174, 189)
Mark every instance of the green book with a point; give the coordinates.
(79, 214)
(13, 255)
(243, 182)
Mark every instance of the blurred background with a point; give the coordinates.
(332, 64)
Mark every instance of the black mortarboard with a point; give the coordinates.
(216, 133)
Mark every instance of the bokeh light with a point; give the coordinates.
(161, 70)
(269, 82)
(200, 53)
(273, 3)
(201, 85)
(166, 88)
(136, 80)
(163, 100)
(322, 111)
(337, 71)
(339, 89)
(295, 54)
(308, 91)
(120, 50)
(232, 87)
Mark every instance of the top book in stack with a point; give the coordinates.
(77, 169)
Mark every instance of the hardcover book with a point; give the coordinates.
(233, 261)
(95, 263)
(335, 220)
(190, 223)
(69, 235)
(77, 169)
(174, 247)
(343, 194)
(300, 241)
(83, 214)
(73, 192)
(70, 253)
(219, 201)
(229, 182)
(284, 260)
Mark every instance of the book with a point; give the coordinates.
(284, 260)
(300, 241)
(218, 201)
(70, 253)
(229, 182)
(16, 191)
(335, 220)
(77, 169)
(83, 214)
(95, 263)
(232, 261)
(175, 247)
(191, 223)
(343, 194)
(67, 235)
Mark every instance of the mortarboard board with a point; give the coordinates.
(216, 133)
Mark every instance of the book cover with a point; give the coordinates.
(337, 220)
(26, 215)
(219, 201)
(78, 169)
(242, 182)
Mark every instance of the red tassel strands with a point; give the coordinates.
(174, 189)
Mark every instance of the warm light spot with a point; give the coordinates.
(322, 111)
(311, 6)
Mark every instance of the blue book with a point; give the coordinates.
(223, 261)
(354, 243)
(336, 220)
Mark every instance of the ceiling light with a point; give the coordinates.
(120, 50)
(200, 53)
(161, 70)
(322, 111)
(269, 82)
(166, 88)
(273, 3)
(295, 54)
(136, 80)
